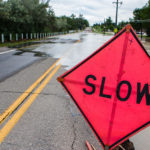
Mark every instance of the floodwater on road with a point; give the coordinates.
(73, 48)
(10, 63)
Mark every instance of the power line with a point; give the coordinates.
(117, 4)
(140, 21)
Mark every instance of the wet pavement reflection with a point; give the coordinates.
(72, 48)
(73, 52)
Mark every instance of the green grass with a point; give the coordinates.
(16, 43)
(106, 33)
(147, 37)
(109, 33)
(101, 32)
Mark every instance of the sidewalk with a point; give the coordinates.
(4, 49)
(52, 121)
(147, 46)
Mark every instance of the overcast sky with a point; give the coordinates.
(96, 10)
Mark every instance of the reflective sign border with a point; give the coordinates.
(74, 68)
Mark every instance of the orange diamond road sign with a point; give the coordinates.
(111, 88)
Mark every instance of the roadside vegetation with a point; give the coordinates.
(108, 26)
(18, 43)
(142, 18)
(140, 22)
(35, 16)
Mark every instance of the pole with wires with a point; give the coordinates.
(116, 20)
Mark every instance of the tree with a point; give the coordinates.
(61, 23)
(71, 23)
(26, 16)
(122, 24)
(109, 24)
(142, 14)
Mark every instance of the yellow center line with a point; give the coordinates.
(11, 123)
(22, 97)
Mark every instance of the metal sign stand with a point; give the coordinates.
(106, 147)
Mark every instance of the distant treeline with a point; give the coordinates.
(108, 25)
(140, 20)
(32, 16)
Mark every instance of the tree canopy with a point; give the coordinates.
(20, 16)
(71, 23)
(109, 25)
(141, 17)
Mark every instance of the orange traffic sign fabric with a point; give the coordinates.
(111, 88)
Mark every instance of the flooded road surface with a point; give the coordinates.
(52, 121)
(10, 63)
(72, 48)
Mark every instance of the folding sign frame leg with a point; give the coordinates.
(88, 145)
(106, 147)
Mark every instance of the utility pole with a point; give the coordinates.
(117, 4)
(104, 26)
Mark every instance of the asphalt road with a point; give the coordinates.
(10, 63)
(52, 122)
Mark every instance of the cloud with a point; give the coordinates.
(96, 10)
